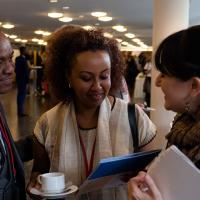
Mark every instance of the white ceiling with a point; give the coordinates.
(136, 15)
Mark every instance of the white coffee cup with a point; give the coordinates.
(52, 182)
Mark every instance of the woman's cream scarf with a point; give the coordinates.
(111, 139)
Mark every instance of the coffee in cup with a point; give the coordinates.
(53, 182)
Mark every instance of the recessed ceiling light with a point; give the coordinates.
(130, 35)
(53, 1)
(0, 23)
(18, 40)
(124, 43)
(119, 40)
(12, 36)
(40, 41)
(8, 26)
(140, 43)
(131, 45)
(39, 32)
(108, 35)
(81, 16)
(55, 14)
(136, 40)
(65, 7)
(65, 19)
(98, 14)
(87, 27)
(46, 33)
(119, 28)
(105, 18)
(35, 40)
(24, 41)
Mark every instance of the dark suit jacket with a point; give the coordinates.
(20, 179)
(21, 70)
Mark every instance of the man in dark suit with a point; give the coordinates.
(12, 181)
(22, 79)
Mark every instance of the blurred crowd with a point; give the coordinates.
(138, 67)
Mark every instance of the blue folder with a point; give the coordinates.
(123, 164)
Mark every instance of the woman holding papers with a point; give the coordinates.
(84, 68)
(178, 61)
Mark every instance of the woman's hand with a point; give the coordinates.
(33, 184)
(142, 187)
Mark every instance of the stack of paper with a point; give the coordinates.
(175, 175)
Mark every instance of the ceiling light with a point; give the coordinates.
(12, 36)
(98, 14)
(40, 41)
(65, 7)
(119, 40)
(140, 42)
(65, 19)
(119, 28)
(81, 16)
(18, 40)
(39, 32)
(35, 40)
(87, 27)
(0, 23)
(53, 1)
(55, 14)
(46, 33)
(8, 26)
(105, 18)
(131, 45)
(136, 40)
(108, 35)
(124, 43)
(24, 41)
(130, 35)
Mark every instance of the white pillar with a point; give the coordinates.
(169, 16)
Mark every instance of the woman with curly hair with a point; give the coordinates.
(84, 69)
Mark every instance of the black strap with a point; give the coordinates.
(133, 126)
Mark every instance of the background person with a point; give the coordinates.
(22, 79)
(178, 62)
(147, 82)
(87, 124)
(131, 73)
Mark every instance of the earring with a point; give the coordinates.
(187, 107)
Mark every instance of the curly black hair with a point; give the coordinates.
(178, 54)
(63, 47)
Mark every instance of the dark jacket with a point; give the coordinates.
(21, 70)
(12, 188)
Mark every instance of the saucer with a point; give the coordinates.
(69, 190)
